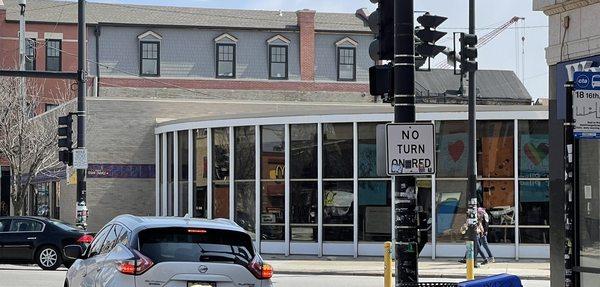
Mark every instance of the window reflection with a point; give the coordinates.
(170, 175)
(200, 170)
(220, 153)
(374, 210)
(303, 185)
(367, 150)
(498, 198)
(182, 169)
(452, 140)
(533, 149)
(495, 149)
(534, 211)
(450, 198)
(338, 150)
(303, 151)
(338, 211)
(272, 193)
(244, 145)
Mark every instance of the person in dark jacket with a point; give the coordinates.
(484, 220)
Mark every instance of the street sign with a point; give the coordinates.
(410, 149)
(80, 158)
(586, 105)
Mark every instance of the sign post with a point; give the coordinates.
(586, 105)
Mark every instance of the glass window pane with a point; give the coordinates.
(534, 235)
(374, 210)
(170, 175)
(338, 211)
(183, 172)
(52, 64)
(303, 211)
(534, 148)
(272, 210)
(451, 139)
(244, 205)
(225, 69)
(338, 150)
(498, 198)
(424, 201)
(534, 204)
(367, 150)
(220, 200)
(495, 149)
(346, 72)
(501, 234)
(272, 152)
(149, 67)
(245, 152)
(450, 198)
(589, 202)
(303, 151)
(200, 171)
(278, 70)
(159, 173)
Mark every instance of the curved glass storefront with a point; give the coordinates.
(309, 184)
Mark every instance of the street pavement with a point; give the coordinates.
(31, 276)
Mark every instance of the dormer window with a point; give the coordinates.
(225, 46)
(278, 57)
(150, 54)
(346, 59)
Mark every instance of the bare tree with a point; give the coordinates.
(28, 143)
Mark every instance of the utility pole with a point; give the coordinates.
(82, 211)
(404, 112)
(22, 49)
(472, 164)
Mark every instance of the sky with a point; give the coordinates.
(505, 52)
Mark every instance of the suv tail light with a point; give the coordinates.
(260, 269)
(135, 266)
(85, 239)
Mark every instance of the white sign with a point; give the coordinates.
(80, 158)
(410, 149)
(586, 105)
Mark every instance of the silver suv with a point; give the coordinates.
(169, 252)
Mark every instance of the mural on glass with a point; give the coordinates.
(533, 149)
(450, 202)
(200, 172)
(303, 186)
(220, 152)
(244, 145)
(272, 193)
(495, 149)
(451, 139)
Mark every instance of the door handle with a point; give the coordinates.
(31, 238)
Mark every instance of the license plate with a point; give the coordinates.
(200, 284)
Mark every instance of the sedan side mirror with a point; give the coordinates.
(73, 251)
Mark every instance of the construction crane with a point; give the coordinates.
(485, 39)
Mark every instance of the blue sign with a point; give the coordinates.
(587, 81)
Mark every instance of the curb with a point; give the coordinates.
(372, 274)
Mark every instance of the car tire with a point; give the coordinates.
(68, 264)
(48, 257)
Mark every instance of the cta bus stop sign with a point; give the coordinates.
(410, 149)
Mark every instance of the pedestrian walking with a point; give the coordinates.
(484, 220)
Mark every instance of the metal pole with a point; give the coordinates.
(81, 116)
(404, 112)
(22, 49)
(471, 162)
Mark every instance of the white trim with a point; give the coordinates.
(226, 36)
(355, 186)
(348, 118)
(32, 35)
(209, 173)
(175, 173)
(165, 177)
(287, 189)
(190, 207)
(257, 185)
(52, 36)
(280, 38)
(320, 188)
(516, 184)
(231, 175)
(149, 33)
(346, 40)
(157, 171)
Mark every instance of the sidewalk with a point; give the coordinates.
(373, 266)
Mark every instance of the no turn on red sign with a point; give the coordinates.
(410, 149)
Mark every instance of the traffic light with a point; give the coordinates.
(427, 35)
(468, 53)
(381, 22)
(381, 82)
(65, 141)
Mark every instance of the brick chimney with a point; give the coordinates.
(306, 23)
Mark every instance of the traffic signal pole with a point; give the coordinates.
(81, 115)
(404, 112)
(471, 159)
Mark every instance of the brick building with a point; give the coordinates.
(174, 88)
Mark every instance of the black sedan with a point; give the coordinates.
(27, 239)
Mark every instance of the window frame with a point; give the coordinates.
(97, 242)
(33, 43)
(59, 54)
(141, 58)
(234, 61)
(339, 64)
(287, 60)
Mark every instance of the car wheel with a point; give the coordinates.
(48, 258)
